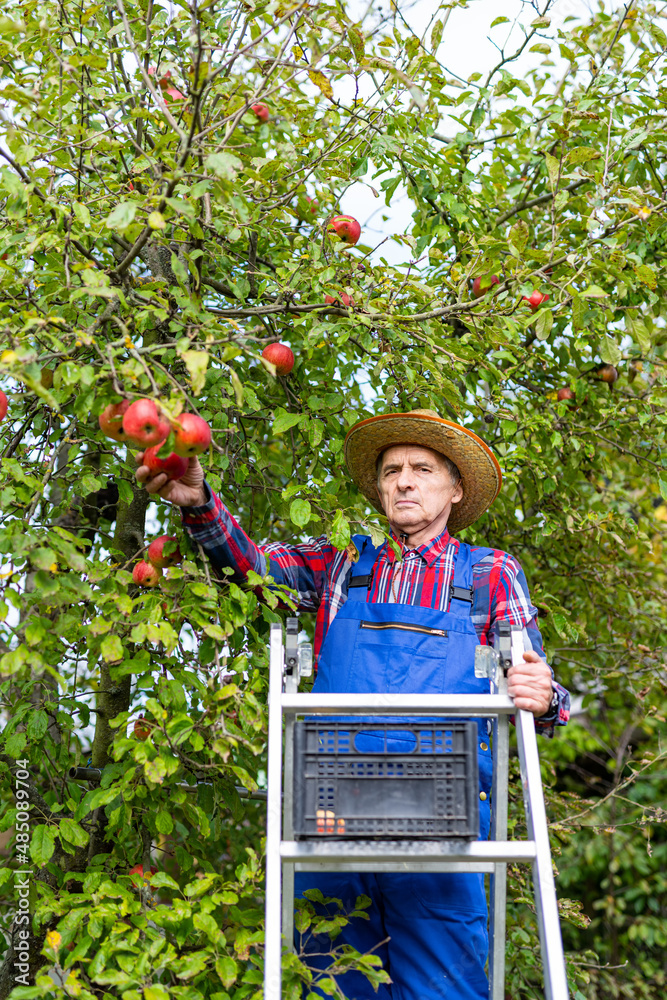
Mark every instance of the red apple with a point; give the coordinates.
(535, 300)
(607, 373)
(279, 355)
(4, 403)
(565, 393)
(142, 730)
(139, 870)
(143, 424)
(346, 228)
(111, 420)
(261, 110)
(193, 435)
(344, 299)
(157, 555)
(174, 466)
(146, 575)
(173, 94)
(484, 284)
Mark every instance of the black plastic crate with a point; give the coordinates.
(362, 781)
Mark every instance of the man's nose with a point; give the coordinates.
(406, 479)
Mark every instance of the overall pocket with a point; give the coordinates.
(396, 657)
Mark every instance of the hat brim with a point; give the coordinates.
(481, 476)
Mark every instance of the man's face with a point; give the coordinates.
(416, 488)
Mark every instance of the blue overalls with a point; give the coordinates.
(434, 926)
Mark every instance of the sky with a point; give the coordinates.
(467, 47)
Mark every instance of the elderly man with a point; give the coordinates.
(408, 624)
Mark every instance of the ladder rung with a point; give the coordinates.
(434, 867)
(398, 704)
(406, 851)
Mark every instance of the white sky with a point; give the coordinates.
(467, 47)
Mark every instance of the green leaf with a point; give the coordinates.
(15, 744)
(662, 483)
(340, 531)
(42, 844)
(581, 154)
(610, 352)
(518, 236)
(81, 213)
(155, 993)
(224, 165)
(196, 363)
(163, 821)
(122, 216)
(73, 833)
(38, 723)
(499, 20)
(543, 324)
(553, 168)
(111, 649)
(284, 421)
(436, 35)
(227, 970)
(299, 512)
(646, 275)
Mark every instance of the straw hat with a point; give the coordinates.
(481, 477)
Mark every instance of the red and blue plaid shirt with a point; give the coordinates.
(318, 574)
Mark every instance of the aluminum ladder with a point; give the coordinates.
(284, 855)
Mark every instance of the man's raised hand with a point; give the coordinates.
(188, 491)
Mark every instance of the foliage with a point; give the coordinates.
(151, 244)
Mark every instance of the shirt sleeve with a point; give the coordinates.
(303, 567)
(511, 600)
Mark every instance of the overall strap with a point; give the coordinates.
(360, 578)
(461, 588)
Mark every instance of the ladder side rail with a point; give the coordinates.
(291, 684)
(498, 886)
(273, 914)
(551, 942)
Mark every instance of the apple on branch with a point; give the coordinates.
(261, 110)
(4, 403)
(344, 299)
(483, 284)
(535, 300)
(143, 424)
(192, 435)
(136, 873)
(146, 575)
(281, 356)
(142, 730)
(346, 228)
(111, 420)
(164, 551)
(565, 394)
(607, 373)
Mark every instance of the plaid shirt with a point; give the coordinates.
(319, 574)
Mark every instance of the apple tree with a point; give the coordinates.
(167, 179)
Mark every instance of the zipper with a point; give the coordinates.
(404, 627)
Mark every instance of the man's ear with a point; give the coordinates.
(457, 495)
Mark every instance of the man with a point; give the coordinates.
(402, 625)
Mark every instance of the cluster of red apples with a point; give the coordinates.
(144, 425)
(162, 552)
